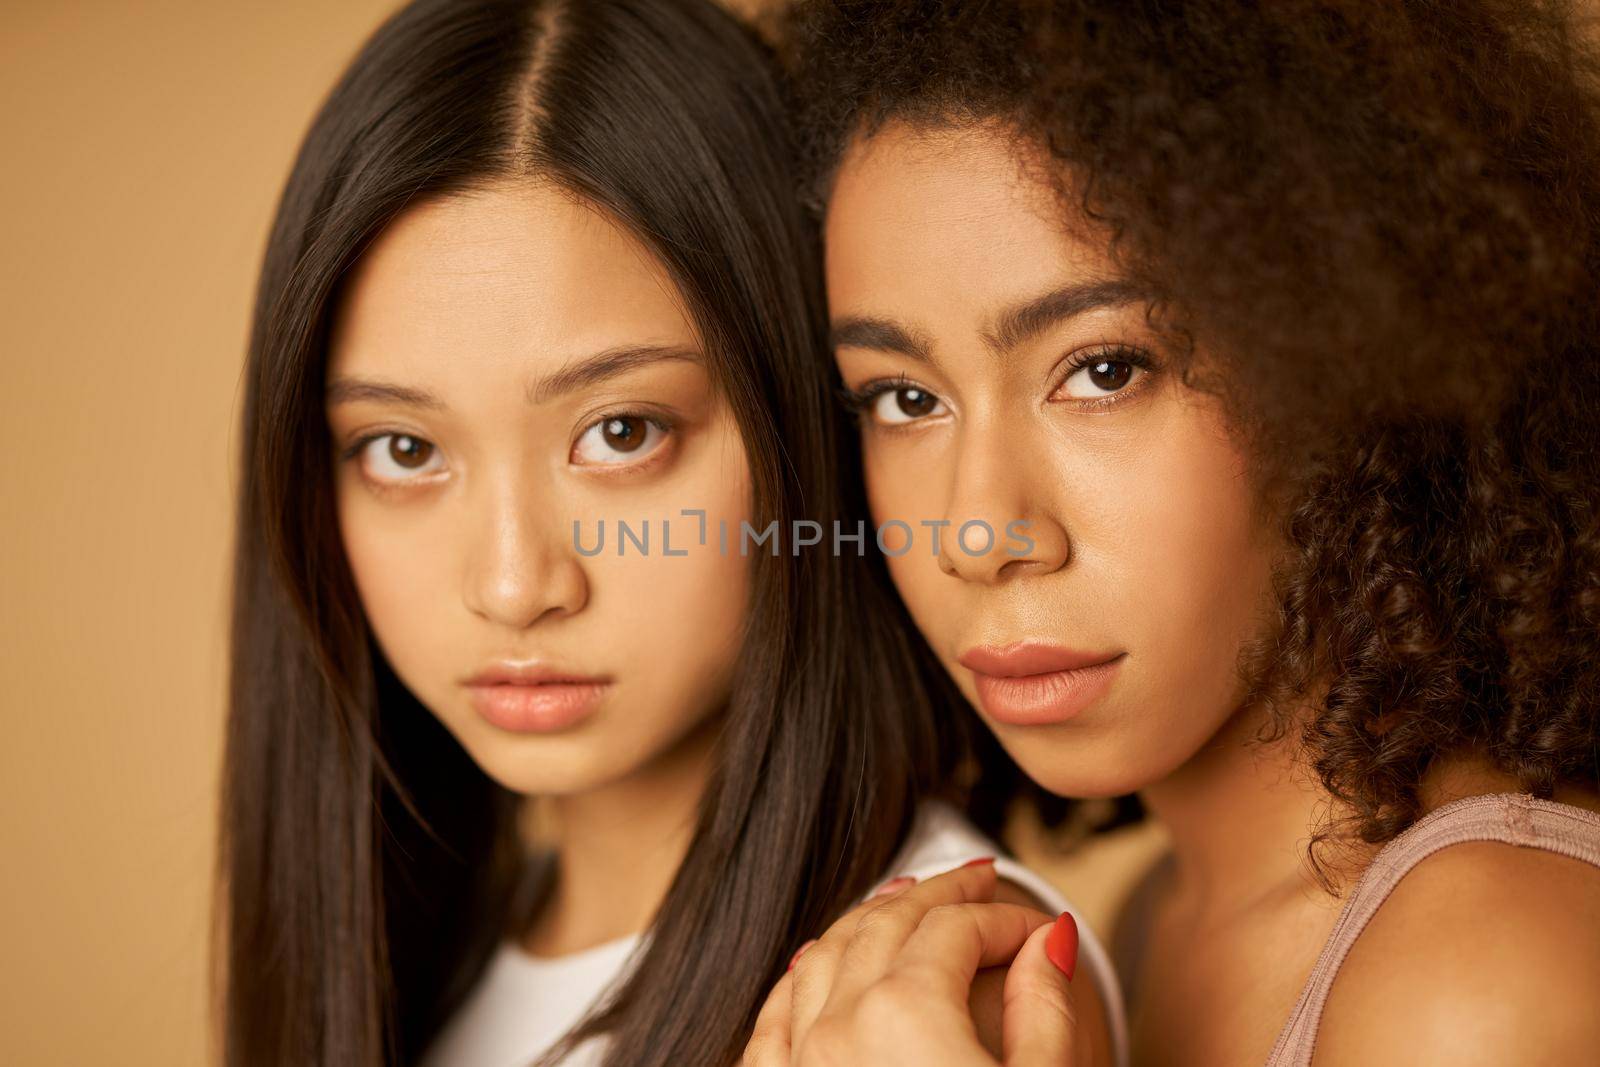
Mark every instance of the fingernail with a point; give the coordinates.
(796, 957)
(894, 885)
(1062, 944)
(981, 861)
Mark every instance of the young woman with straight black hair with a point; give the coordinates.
(538, 268)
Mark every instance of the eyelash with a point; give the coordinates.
(1109, 352)
(857, 401)
(353, 450)
(657, 455)
(352, 453)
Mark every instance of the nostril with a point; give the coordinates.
(1013, 567)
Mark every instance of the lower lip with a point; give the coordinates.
(1044, 699)
(537, 709)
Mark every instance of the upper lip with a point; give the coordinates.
(530, 674)
(1030, 657)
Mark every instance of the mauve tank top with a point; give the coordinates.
(1514, 818)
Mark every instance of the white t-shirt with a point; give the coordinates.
(523, 1004)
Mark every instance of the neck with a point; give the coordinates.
(1470, 773)
(1240, 814)
(618, 847)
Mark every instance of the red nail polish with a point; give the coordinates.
(981, 861)
(797, 952)
(894, 885)
(1062, 944)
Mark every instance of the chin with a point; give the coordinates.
(1085, 783)
(548, 782)
(545, 766)
(1085, 770)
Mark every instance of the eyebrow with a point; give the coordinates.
(589, 371)
(1012, 327)
(1024, 322)
(884, 335)
(355, 390)
(604, 365)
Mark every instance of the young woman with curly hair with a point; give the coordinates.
(1276, 328)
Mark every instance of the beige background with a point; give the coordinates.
(145, 144)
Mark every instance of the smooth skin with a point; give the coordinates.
(1004, 371)
(855, 995)
(504, 362)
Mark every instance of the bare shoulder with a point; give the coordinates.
(1485, 953)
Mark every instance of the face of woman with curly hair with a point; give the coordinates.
(1007, 379)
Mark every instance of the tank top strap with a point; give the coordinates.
(1512, 818)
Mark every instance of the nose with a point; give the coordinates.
(999, 525)
(519, 570)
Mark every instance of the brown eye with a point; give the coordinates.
(396, 458)
(1110, 375)
(906, 403)
(915, 403)
(410, 453)
(624, 434)
(618, 440)
(1103, 375)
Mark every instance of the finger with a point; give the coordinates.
(840, 932)
(844, 927)
(812, 968)
(1039, 1020)
(769, 1040)
(817, 970)
(811, 979)
(882, 932)
(954, 941)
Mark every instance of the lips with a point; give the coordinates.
(1034, 684)
(535, 698)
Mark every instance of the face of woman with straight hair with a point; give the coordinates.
(505, 363)
(540, 263)
(1005, 374)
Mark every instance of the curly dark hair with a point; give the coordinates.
(1373, 224)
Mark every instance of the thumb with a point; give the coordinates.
(1038, 1022)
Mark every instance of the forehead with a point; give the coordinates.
(955, 217)
(525, 268)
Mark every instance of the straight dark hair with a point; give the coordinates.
(367, 866)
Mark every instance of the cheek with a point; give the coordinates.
(678, 621)
(888, 493)
(398, 565)
(902, 484)
(1193, 554)
(675, 619)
